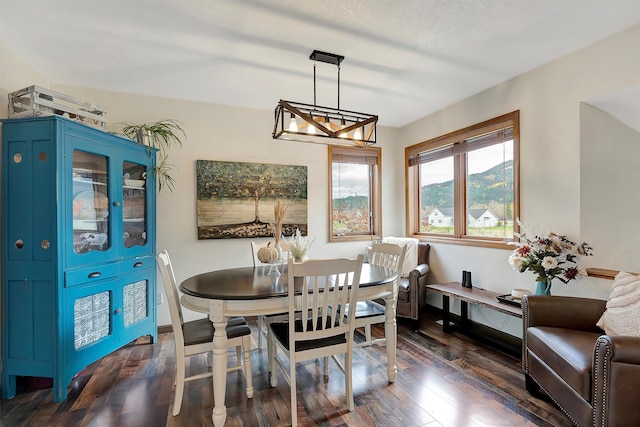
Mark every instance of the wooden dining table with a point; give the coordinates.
(253, 291)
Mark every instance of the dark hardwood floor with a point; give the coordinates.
(443, 380)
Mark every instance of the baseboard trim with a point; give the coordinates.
(163, 329)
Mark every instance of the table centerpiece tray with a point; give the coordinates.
(509, 299)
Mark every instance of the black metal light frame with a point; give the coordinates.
(323, 125)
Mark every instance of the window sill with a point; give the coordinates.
(603, 273)
(355, 238)
(494, 244)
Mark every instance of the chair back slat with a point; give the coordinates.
(391, 256)
(171, 289)
(314, 305)
(254, 252)
(322, 289)
(330, 300)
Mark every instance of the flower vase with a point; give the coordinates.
(279, 248)
(543, 287)
(301, 257)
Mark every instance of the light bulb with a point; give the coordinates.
(293, 125)
(357, 134)
(311, 130)
(342, 126)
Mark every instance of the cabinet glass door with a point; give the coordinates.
(134, 204)
(138, 316)
(135, 302)
(91, 319)
(91, 325)
(90, 202)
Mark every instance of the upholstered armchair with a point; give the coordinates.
(412, 284)
(593, 377)
(412, 288)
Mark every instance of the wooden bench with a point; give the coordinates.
(468, 296)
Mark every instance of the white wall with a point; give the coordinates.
(610, 196)
(549, 101)
(15, 74)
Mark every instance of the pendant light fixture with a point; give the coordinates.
(296, 121)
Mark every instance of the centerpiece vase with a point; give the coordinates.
(273, 269)
(279, 248)
(543, 287)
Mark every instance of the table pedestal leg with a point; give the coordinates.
(390, 334)
(219, 368)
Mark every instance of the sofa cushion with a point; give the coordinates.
(567, 352)
(623, 307)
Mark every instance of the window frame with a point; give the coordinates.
(366, 155)
(412, 182)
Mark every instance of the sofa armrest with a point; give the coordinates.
(616, 375)
(419, 271)
(562, 312)
(416, 285)
(621, 349)
(417, 290)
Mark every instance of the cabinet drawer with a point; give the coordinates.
(90, 274)
(137, 264)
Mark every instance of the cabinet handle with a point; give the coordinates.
(94, 275)
(138, 264)
(116, 204)
(117, 311)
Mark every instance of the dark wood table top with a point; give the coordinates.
(250, 283)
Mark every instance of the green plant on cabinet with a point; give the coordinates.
(162, 135)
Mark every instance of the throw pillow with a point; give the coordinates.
(623, 307)
(410, 256)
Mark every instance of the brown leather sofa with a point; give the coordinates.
(412, 290)
(592, 377)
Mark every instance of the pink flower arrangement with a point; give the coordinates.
(550, 257)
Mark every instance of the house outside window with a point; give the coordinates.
(469, 181)
(354, 203)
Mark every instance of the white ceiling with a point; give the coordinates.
(404, 58)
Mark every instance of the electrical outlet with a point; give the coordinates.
(160, 298)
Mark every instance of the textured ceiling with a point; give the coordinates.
(404, 59)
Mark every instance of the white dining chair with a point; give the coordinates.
(265, 320)
(196, 337)
(322, 288)
(371, 312)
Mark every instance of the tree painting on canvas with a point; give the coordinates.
(236, 199)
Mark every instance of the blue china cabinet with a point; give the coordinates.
(78, 248)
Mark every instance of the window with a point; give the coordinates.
(463, 187)
(354, 203)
